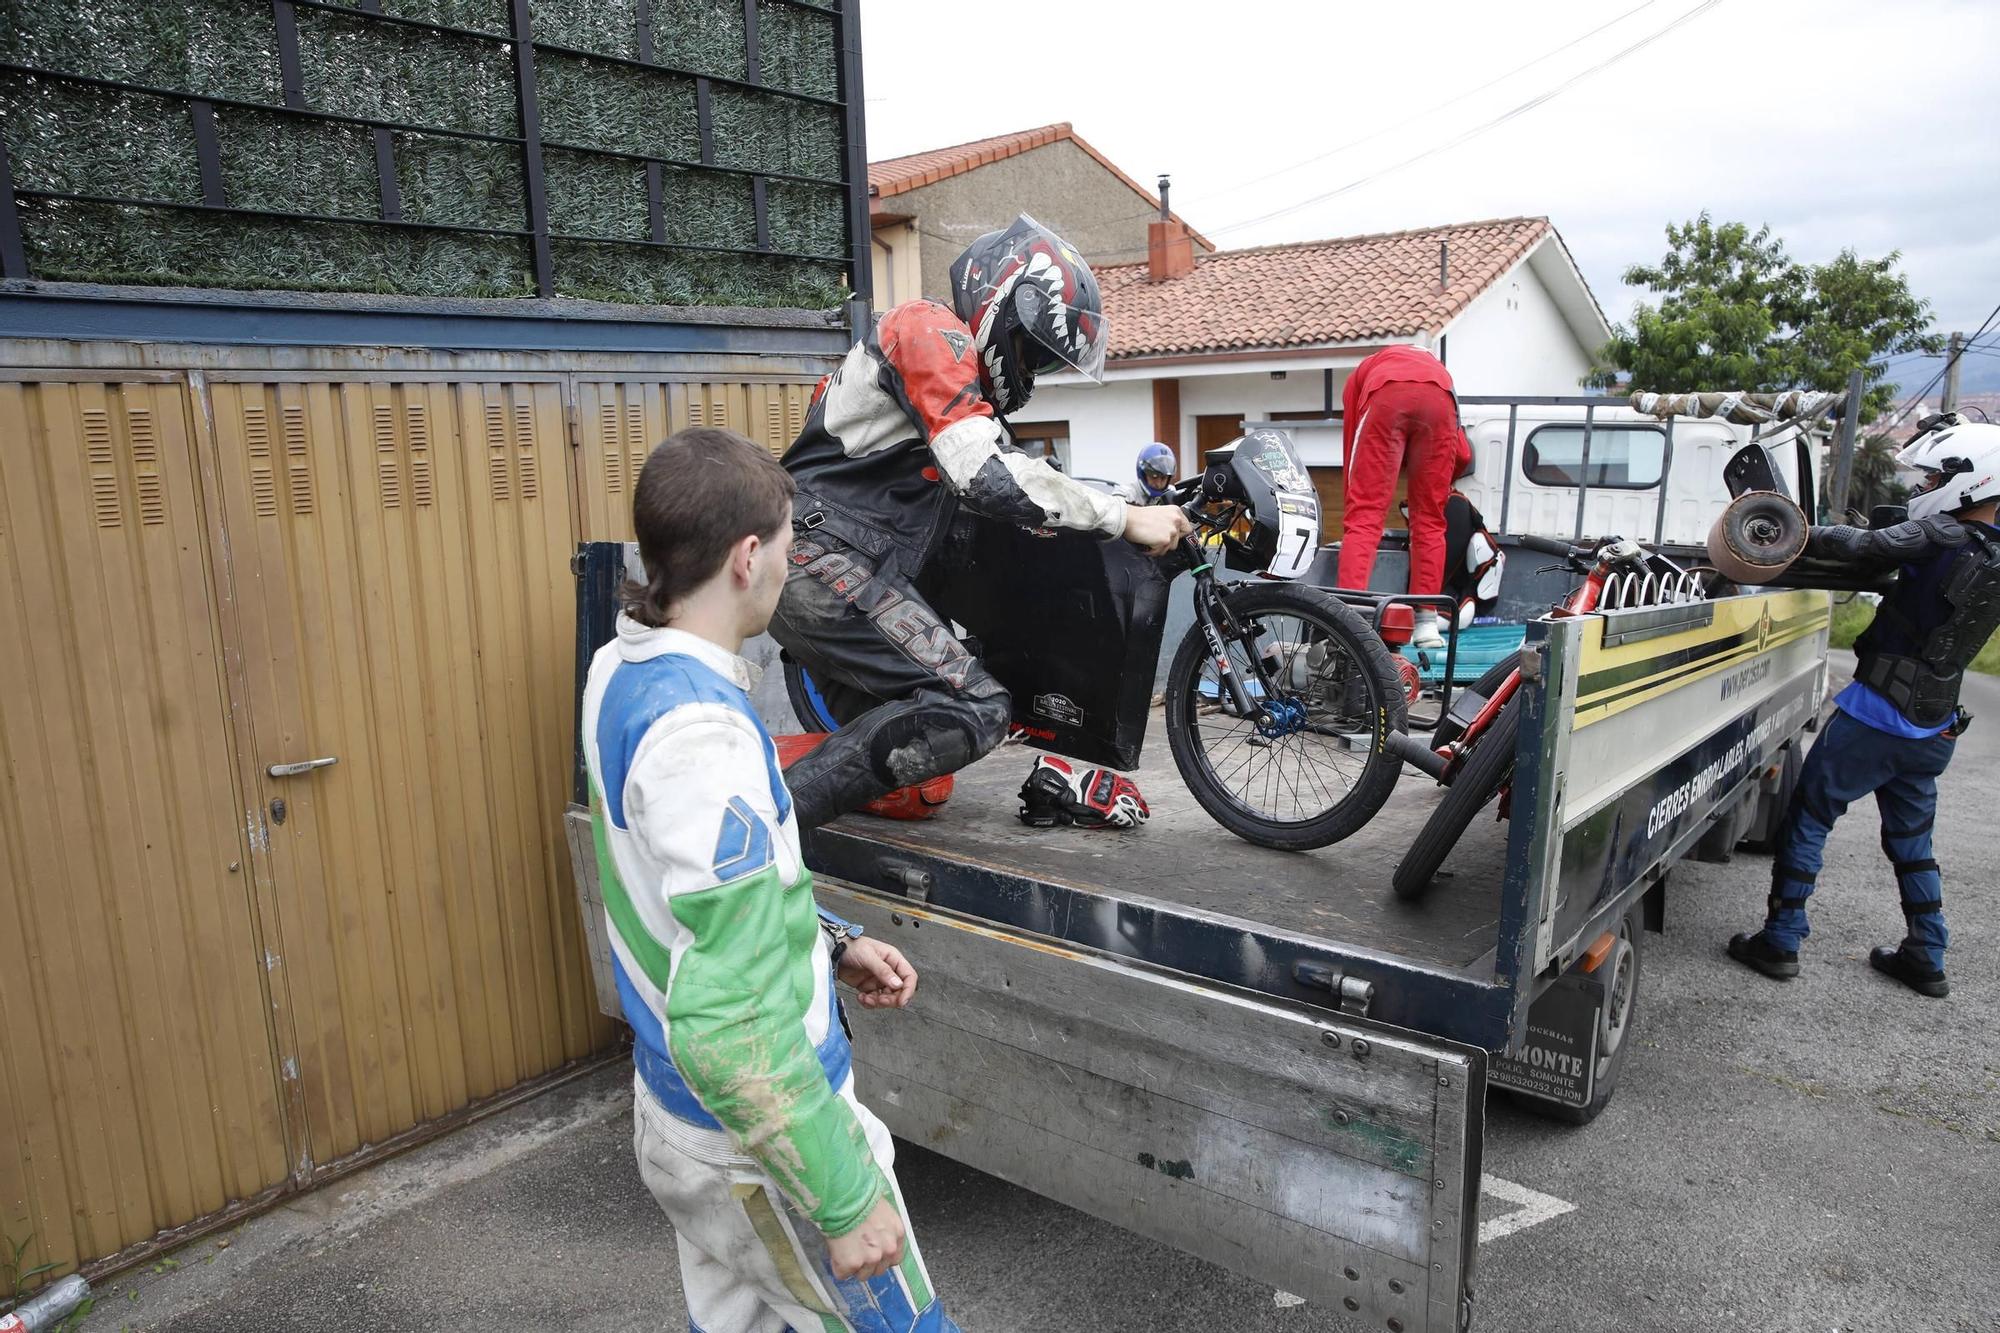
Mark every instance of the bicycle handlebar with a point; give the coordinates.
(1546, 545)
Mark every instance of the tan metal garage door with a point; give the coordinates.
(138, 1085)
(216, 983)
(619, 422)
(399, 559)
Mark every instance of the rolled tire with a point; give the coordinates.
(1757, 538)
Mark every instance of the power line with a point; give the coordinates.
(1990, 348)
(1938, 378)
(1427, 112)
(1971, 344)
(1220, 191)
(1477, 130)
(1101, 223)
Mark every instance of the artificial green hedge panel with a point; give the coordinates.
(607, 271)
(707, 207)
(805, 219)
(705, 36)
(69, 138)
(598, 104)
(461, 181)
(385, 71)
(798, 49)
(281, 164)
(759, 132)
(594, 195)
(104, 243)
(218, 48)
(478, 15)
(608, 30)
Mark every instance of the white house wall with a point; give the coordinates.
(1109, 423)
(1254, 398)
(1513, 339)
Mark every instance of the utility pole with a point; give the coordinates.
(1951, 360)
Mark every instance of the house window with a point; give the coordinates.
(1627, 458)
(1044, 439)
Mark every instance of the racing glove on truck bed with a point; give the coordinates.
(1057, 792)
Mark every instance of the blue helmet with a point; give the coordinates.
(1155, 469)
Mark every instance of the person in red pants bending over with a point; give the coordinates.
(1399, 415)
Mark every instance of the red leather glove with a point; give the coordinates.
(1058, 792)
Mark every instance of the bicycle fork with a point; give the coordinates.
(1227, 677)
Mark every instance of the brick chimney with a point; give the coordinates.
(1169, 248)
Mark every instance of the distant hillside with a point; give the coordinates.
(1978, 371)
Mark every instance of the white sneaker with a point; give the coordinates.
(1425, 634)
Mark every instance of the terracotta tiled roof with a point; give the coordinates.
(1349, 289)
(898, 174)
(907, 173)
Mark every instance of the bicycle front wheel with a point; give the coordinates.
(1318, 767)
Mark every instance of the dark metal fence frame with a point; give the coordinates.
(528, 140)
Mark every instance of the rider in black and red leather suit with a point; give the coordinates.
(898, 437)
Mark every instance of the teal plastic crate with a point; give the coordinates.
(1479, 647)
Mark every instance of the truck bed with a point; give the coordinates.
(1183, 861)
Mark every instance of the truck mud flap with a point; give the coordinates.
(1557, 1063)
(1325, 1155)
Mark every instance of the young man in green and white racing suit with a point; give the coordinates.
(779, 1182)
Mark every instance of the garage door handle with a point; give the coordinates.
(303, 766)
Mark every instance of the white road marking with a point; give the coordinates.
(1284, 1300)
(1535, 1208)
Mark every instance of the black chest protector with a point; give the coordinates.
(1920, 671)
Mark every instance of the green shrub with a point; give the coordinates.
(1850, 617)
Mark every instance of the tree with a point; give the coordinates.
(1873, 479)
(1737, 312)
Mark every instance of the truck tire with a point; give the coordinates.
(1484, 774)
(1772, 815)
(1726, 829)
(1614, 1031)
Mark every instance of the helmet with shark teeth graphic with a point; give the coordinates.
(1033, 306)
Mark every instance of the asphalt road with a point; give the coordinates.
(1822, 1154)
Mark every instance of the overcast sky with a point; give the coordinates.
(1839, 122)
